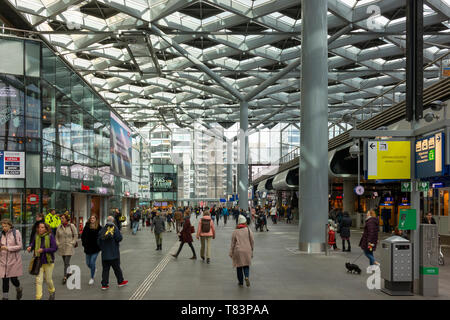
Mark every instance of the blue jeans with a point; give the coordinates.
(369, 254)
(135, 226)
(241, 271)
(90, 261)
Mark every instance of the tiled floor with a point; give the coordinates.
(278, 271)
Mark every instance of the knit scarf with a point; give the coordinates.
(37, 246)
(240, 226)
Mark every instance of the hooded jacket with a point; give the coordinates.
(89, 239)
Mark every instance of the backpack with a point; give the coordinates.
(206, 226)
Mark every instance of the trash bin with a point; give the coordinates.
(397, 266)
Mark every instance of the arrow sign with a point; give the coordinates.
(372, 145)
(438, 138)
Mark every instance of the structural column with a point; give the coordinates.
(229, 167)
(349, 196)
(313, 200)
(243, 157)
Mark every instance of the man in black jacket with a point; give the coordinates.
(108, 241)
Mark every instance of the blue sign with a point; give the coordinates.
(2, 162)
(222, 200)
(429, 156)
(437, 185)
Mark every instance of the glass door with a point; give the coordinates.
(11, 205)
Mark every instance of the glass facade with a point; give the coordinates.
(63, 126)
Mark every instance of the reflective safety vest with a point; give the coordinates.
(52, 220)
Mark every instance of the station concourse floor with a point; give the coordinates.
(278, 271)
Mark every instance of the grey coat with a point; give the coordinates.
(159, 223)
(242, 244)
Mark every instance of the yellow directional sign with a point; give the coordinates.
(389, 160)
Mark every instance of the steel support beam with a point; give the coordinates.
(198, 63)
(243, 157)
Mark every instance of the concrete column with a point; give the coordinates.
(349, 196)
(243, 157)
(229, 167)
(313, 201)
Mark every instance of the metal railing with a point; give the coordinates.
(290, 156)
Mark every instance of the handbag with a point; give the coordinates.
(192, 229)
(73, 235)
(35, 266)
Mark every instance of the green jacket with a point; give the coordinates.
(52, 220)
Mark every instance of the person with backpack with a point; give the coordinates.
(136, 218)
(206, 231)
(66, 240)
(89, 242)
(44, 248)
(186, 236)
(241, 251)
(159, 228)
(225, 215)
(108, 241)
(10, 258)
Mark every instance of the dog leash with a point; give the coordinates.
(358, 258)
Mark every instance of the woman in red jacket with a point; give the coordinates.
(369, 238)
(186, 236)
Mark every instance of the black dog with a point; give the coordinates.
(352, 268)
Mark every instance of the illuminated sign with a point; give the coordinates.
(429, 156)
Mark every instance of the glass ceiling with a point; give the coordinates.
(142, 74)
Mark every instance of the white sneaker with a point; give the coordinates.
(91, 282)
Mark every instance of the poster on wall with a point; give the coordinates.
(162, 182)
(12, 165)
(121, 148)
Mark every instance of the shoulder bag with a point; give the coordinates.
(73, 235)
(35, 265)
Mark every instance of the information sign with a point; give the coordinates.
(388, 159)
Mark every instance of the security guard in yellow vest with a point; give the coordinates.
(53, 220)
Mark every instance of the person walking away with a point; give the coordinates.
(44, 247)
(206, 231)
(169, 221)
(385, 217)
(136, 218)
(212, 213)
(108, 241)
(288, 214)
(344, 228)
(369, 239)
(53, 220)
(66, 239)
(241, 251)
(273, 214)
(89, 242)
(39, 217)
(159, 228)
(118, 218)
(186, 236)
(10, 258)
(225, 215)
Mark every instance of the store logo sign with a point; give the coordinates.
(84, 188)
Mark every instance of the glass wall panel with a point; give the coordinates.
(11, 56)
(11, 106)
(48, 65)
(33, 108)
(32, 59)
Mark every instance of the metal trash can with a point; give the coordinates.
(397, 266)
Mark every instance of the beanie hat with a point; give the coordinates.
(242, 219)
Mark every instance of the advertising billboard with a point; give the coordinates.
(12, 165)
(121, 148)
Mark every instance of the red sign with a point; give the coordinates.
(33, 199)
(84, 188)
